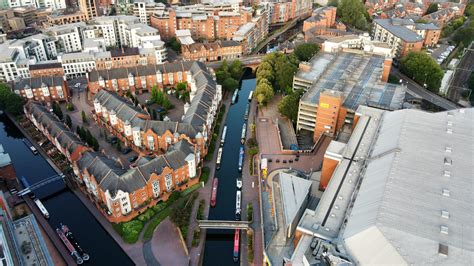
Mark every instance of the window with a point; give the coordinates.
(168, 181)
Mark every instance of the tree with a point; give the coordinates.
(181, 86)
(432, 8)
(174, 44)
(166, 103)
(264, 93)
(423, 69)
(305, 51)
(353, 13)
(89, 138)
(95, 144)
(230, 84)
(14, 104)
(68, 121)
(236, 69)
(84, 117)
(464, 36)
(284, 76)
(57, 110)
(469, 11)
(289, 105)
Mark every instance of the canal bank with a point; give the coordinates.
(219, 243)
(62, 204)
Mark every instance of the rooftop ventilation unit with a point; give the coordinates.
(444, 230)
(445, 214)
(448, 161)
(443, 250)
(446, 192)
(447, 173)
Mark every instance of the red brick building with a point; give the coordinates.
(214, 51)
(45, 89)
(46, 70)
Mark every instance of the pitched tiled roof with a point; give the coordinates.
(34, 83)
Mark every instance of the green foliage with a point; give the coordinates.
(160, 98)
(470, 81)
(84, 117)
(264, 93)
(9, 101)
(129, 231)
(432, 8)
(182, 213)
(276, 71)
(70, 107)
(305, 51)
(250, 254)
(57, 110)
(204, 174)
(181, 86)
(200, 211)
(469, 11)
(393, 79)
(217, 128)
(250, 212)
(289, 105)
(452, 26)
(147, 215)
(229, 75)
(196, 236)
(230, 84)
(352, 12)
(174, 44)
(423, 69)
(253, 151)
(464, 36)
(68, 121)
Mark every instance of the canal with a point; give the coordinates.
(62, 204)
(219, 243)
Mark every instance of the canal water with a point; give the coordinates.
(219, 243)
(63, 206)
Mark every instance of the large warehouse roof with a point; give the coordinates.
(416, 202)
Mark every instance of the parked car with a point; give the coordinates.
(132, 159)
(126, 150)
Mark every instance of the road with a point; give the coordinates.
(416, 90)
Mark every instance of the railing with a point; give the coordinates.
(219, 224)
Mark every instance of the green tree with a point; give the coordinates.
(84, 117)
(166, 103)
(469, 10)
(236, 69)
(264, 93)
(464, 36)
(68, 121)
(174, 44)
(181, 86)
(423, 69)
(57, 110)
(432, 8)
(284, 76)
(14, 104)
(95, 144)
(289, 105)
(353, 13)
(305, 51)
(230, 84)
(89, 138)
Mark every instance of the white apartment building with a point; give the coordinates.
(68, 36)
(115, 29)
(143, 9)
(18, 3)
(14, 61)
(54, 4)
(77, 64)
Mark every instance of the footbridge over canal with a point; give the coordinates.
(219, 224)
